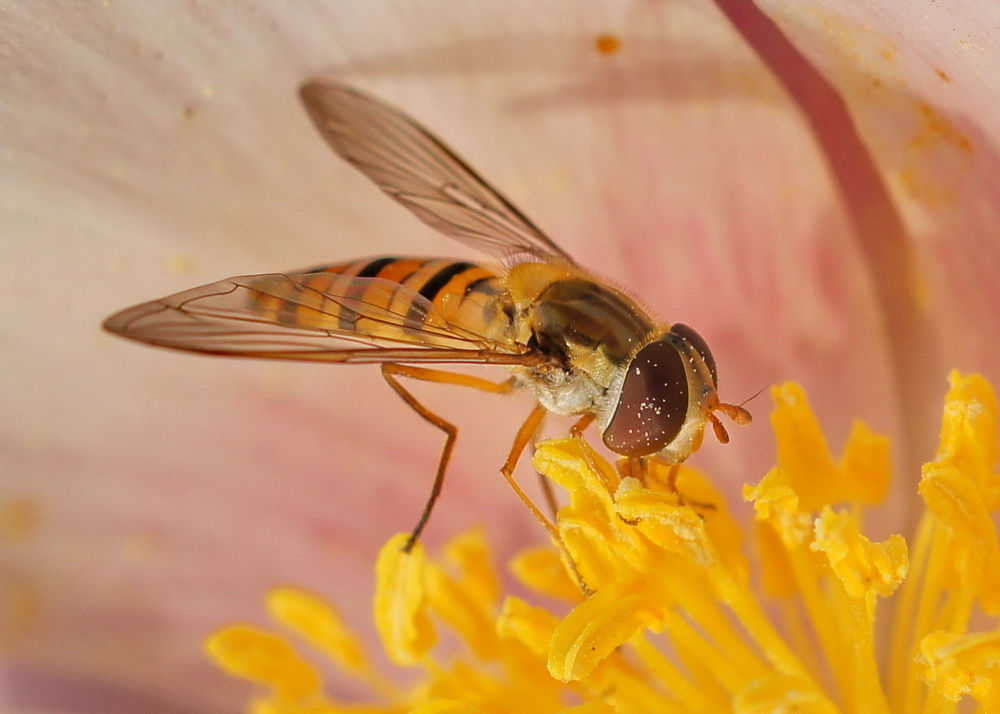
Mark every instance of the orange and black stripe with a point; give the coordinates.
(458, 290)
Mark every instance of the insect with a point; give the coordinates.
(582, 347)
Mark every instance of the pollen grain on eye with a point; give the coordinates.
(683, 617)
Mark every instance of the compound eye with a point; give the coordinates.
(653, 403)
(700, 346)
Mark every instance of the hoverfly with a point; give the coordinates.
(580, 346)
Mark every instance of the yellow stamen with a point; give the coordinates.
(266, 659)
(677, 621)
(962, 665)
(531, 626)
(319, 623)
(400, 602)
(592, 631)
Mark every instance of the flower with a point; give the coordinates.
(147, 148)
(678, 621)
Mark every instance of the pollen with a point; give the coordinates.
(607, 44)
(690, 608)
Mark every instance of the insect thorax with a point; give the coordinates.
(586, 329)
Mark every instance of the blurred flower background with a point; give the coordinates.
(814, 186)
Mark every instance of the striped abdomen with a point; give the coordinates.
(435, 301)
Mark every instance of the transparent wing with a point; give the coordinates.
(319, 317)
(414, 167)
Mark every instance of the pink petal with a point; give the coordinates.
(149, 150)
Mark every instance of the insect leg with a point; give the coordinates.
(549, 494)
(576, 431)
(637, 470)
(523, 438)
(675, 471)
(580, 425)
(546, 485)
(390, 372)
